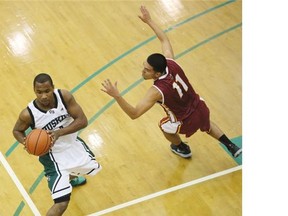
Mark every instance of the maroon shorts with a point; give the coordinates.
(199, 119)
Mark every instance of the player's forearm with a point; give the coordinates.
(157, 30)
(19, 136)
(126, 107)
(75, 126)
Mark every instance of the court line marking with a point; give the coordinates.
(166, 191)
(19, 185)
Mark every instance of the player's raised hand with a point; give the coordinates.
(145, 17)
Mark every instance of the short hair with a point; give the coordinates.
(158, 62)
(41, 78)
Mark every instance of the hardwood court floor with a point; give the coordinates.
(81, 43)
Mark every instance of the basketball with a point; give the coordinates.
(38, 142)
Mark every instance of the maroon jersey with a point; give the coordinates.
(179, 99)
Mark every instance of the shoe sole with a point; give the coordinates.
(238, 153)
(182, 155)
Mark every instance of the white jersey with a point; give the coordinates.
(69, 155)
(53, 119)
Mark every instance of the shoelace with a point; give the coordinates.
(183, 147)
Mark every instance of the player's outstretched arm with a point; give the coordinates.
(151, 97)
(165, 43)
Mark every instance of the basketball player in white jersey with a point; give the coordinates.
(58, 112)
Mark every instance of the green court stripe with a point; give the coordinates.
(111, 102)
(19, 209)
(111, 63)
(200, 14)
(145, 42)
(35, 184)
(209, 39)
(11, 149)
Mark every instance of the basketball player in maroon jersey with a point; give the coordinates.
(186, 111)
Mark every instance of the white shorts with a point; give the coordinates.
(169, 127)
(76, 160)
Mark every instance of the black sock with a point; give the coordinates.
(224, 139)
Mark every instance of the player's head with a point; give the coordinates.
(44, 88)
(42, 78)
(158, 62)
(154, 66)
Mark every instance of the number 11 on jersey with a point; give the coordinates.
(176, 86)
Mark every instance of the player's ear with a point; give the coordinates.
(158, 74)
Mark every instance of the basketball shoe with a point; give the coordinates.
(234, 150)
(79, 180)
(182, 150)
